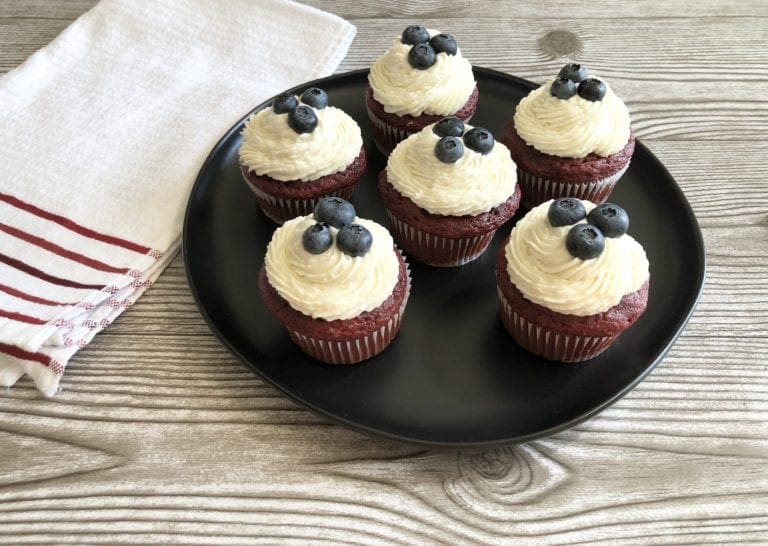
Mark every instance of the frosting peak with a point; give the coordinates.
(573, 127)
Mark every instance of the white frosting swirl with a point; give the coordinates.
(270, 147)
(542, 269)
(572, 127)
(331, 285)
(440, 90)
(472, 185)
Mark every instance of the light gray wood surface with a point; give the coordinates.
(160, 435)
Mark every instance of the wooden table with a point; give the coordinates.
(160, 435)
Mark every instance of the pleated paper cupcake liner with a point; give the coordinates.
(547, 342)
(281, 209)
(536, 189)
(355, 349)
(436, 250)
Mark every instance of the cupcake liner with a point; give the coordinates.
(536, 189)
(547, 342)
(357, 349)
(436, 250)
(280, 209)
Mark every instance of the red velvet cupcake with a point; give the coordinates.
(570, 280)
(422, 78)
(337, 283)
(447, 189)
(570, 138)
(299, 150)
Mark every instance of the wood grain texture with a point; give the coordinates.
(161, 436)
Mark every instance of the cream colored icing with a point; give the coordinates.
(472, 185)
(573, 127)
(541, 267)
(331, 285)
(440, 90)
(270, 147)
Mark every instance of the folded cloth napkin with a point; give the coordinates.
(103, 132)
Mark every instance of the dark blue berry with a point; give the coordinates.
(449, 127)
(421, 56)
(444, 43)
(566, 211)
(611, 219)
(449, 149)
(284, 103)
(315, 97)
(562, 88)
(317, 239)
(479, 139)
(303, 119)
(335, 211)
(592, 89)
(584, 241)
(574, 72)
(354, 240)
(415, 34)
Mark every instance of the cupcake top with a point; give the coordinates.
(573, 116)
(332, 265)
(575, 258)
(300, 138)
(453, 169)
(423, 72)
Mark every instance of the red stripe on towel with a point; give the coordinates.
(29, 297)
(77, 228)
(21, 354)
(21, 266)
(20, 317)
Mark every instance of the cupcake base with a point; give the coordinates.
(281, 201)
(560, 337)
(389, 129)
(544, 177)
(438, 240)
(342, 341)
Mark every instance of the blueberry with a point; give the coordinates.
(444, 43)
(574, 72)
(303, 119)
(284, 103)
(317, 238)
(592, 89)
(566, 211)
(421, 56)
(479, 139)
(562, 88)
(415, 34)
(335, 211)
(584, 241)
(611, 219)
(315, 97)
(354, 240)
(449, 127)
(449, 149)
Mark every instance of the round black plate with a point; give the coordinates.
(453, 377)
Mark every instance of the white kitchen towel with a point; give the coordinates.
(102, 133)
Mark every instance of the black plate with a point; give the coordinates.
(453, 377)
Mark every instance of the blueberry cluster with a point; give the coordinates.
(352, 239)
(301, 117)
(573, 79)
(450, 147)
(424, 50)
(586, 241)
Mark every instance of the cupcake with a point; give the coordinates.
(337, 283)
(570, 138)
(570, 279)
(422, 78)
(299, 150)
(447, 189)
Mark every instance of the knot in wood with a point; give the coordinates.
(561, 43)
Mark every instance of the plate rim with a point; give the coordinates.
(377, 433)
